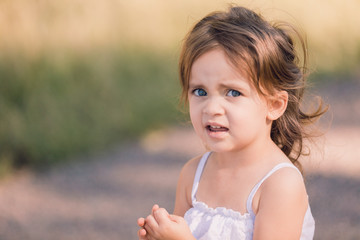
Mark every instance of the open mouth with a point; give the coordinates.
(212, 128)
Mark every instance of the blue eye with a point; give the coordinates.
(200, 92)
(233, 93)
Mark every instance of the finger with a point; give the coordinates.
(142, 234)
(151, 224)
(154, 208)
(175, 218)
(141, 222)
(161, 215)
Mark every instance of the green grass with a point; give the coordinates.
(67, 86)
(52, 107)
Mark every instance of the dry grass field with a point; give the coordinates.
(35, 26)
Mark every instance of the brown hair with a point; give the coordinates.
(269, 58)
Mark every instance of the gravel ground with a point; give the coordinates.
(101, 196)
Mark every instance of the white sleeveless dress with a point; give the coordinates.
(208, 223)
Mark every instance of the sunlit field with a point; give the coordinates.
(91, 130)
(78, 76)
(31, 27)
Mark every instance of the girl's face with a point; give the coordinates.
(225, 109)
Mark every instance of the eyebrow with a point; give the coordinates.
(192, 86)
(231, 85)
(226, 83)
(234, 83)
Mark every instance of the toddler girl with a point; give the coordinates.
(241, 77)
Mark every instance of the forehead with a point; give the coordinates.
(216, 64)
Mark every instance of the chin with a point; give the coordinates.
(219, 148)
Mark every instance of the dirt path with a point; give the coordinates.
(101, 198)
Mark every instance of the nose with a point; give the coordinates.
(213, 106)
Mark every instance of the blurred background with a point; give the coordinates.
(91, 133)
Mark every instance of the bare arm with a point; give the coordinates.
(161, 225)
(184, 187)
(282, 207)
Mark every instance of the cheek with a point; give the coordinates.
(251, 114)
(194, 108)
(195, 116)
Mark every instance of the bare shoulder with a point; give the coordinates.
(285, 181)
(184, 187)
(188, 171)
(282, 205)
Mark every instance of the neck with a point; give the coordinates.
(254, 155)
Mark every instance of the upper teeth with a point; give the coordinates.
(215, 126)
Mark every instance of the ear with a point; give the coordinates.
(277, 105)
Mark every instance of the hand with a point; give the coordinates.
(142, 231)
(141, 223)
(160, 225)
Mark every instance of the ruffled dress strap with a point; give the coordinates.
(198, 174)
(257, 186)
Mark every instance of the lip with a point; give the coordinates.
(215, 124)
(216, 130)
